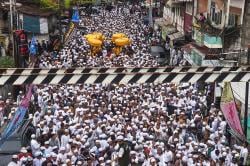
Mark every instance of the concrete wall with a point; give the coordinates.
(246, 26)
(4, 90)
(236, 3)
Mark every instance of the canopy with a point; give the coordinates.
(94, 42)
(122, 42)
(96, 35)
(90, 36)
(117, 36)
(239, 90)
(99, 35)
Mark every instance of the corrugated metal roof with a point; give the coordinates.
(31, 10)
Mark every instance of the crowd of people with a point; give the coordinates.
(77, 52)
(121, 125)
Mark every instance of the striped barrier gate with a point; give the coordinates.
(124, 75)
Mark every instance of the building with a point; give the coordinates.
(216, 32)
(37, 22)
(177, 21)
(29, 17)
(246, 31)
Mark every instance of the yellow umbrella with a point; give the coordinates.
(94, 42)
(122, 42)
(117, 36)
(90, 36)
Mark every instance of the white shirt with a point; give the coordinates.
(47, 151)
(121, 152)
(214, 156)
(38, 162)
(12, 163)
(228, 159)
(61, 158)
(243, 153)
(168, 156)
(64, 140)
(35, 146)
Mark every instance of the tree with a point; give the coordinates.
(54, 4)
(49, 4)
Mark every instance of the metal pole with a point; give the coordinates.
(246, 108)
(11, 16)
(12, 35)
(11, 30)
(60, 23)
(248, 55)
(150, 14)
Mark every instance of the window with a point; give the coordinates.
(178, 13)
(215, 14)
(233, 20)
(189, 8)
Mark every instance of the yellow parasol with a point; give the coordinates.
(117, 36)
(122, 42)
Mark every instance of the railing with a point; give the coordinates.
(4, 30)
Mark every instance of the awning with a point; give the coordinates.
(176, 3)
(166, 30)
(162, 22)
(176, 36)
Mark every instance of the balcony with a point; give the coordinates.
(177, 3)
(180, 1)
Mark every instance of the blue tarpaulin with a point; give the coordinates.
(75, 16)
(13, 124)
(18, 118)
(31, 24)
(32, 47)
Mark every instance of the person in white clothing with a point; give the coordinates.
(38, 161)
(243, 153)
(14, 161)
(62, 156)
(35, 146)
(65, 138)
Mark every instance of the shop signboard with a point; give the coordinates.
(196, 57)
(212, 41)
(199, 37)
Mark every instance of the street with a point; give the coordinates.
(167, 121)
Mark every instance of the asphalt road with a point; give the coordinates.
(10, 147)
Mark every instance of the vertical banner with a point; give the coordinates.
(17, 120)
(44, 29)
(75, 16)
(32, 47)
(229, 109)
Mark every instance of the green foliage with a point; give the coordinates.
(67, 4)
(54, 4)
(49, 4)
(7, 62)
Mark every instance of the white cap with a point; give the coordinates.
(120, 137)
(62, 148)
(23, 150)
(15, 156)
(38, 153)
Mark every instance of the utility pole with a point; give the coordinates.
(246, 108)
(150, 14)
(12, 34)
(60, 23)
